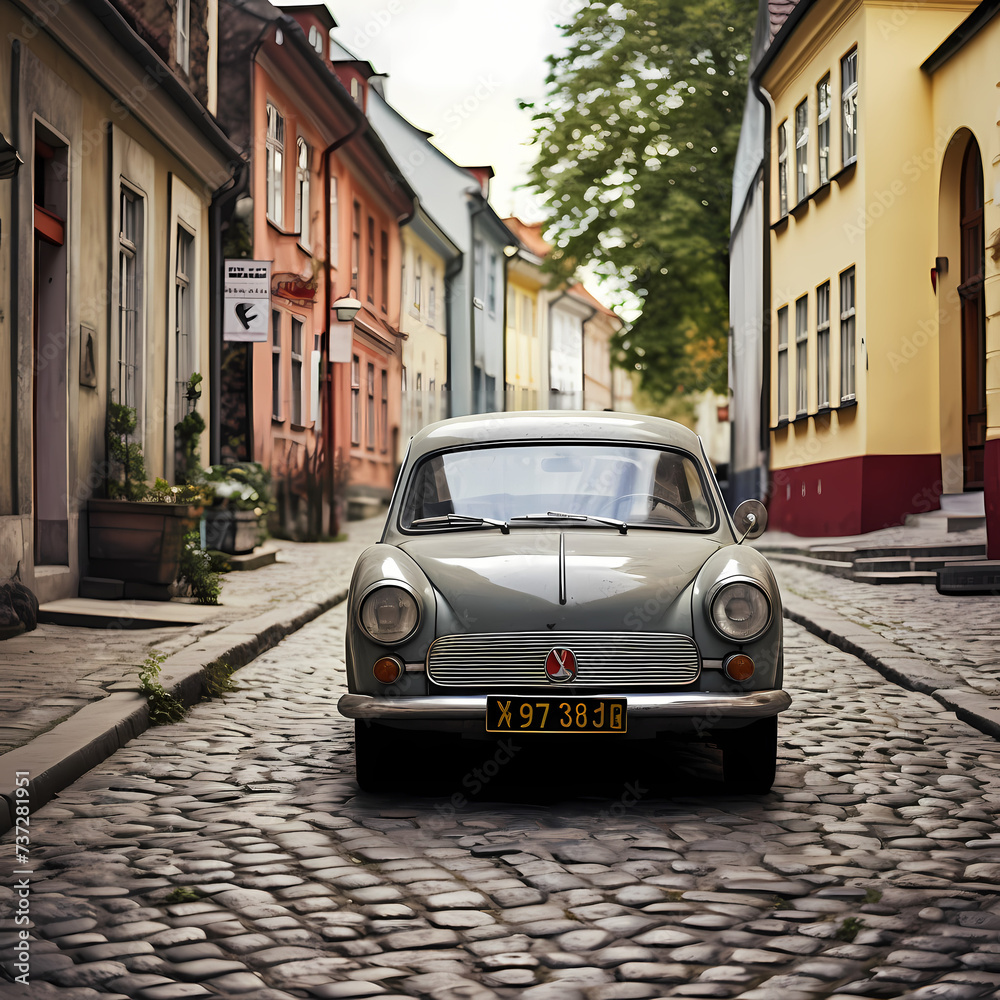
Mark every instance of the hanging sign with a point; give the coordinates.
(246, 309)
(341, 338)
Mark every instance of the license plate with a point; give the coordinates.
(555, 715)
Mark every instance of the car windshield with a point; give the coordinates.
(646, 487)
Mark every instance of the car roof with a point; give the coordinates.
(535, 425)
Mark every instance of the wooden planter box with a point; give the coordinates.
(232, 531)
(138, 542)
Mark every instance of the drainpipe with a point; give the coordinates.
(452, 269)
(765, 391)
(328, 409)
(15, 229)
(222, 202)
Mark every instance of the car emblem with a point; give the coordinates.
(560, 665)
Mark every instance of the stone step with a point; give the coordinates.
(972, 577)
(910, 576)
(848, 553)
(945, 521)
(830, 566)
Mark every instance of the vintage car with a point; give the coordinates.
(564, 575)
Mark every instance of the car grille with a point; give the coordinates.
(604, 659)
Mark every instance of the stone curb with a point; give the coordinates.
(57, 758)
(902, 667)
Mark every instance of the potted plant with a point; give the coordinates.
(136, 533)
(241, 495)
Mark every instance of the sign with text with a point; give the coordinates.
(246, 307)
(341, 337)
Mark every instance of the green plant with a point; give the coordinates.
(217, 680)
(780, 903)
(243, 486)
(162, 492)
(873, 896)
(188, 433)
(848, 929)
(163, 706)
(182, 894)
(196, 570)
(124, 455)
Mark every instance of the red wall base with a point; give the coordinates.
(854, 495)
(991, 489)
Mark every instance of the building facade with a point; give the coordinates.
(864, 199)
(106, 258)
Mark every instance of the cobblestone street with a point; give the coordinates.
(232, 855)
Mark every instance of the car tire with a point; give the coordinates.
(376, 756)
(749, 757)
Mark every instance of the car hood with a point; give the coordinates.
(512, 582)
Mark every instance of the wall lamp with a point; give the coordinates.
(346, 308)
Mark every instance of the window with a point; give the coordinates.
(184, 35)
(384, 408)
(274, 164)
(130, 278)
(847, 335)
(370, 277)
(432, 298)
(823, 128)
(783, 363)
(849, 102)
(302, 193)
(355, 400)
(315, 371)
(316, 39)
(417, 274)
(801, 356)
(370, 429)
(184, 346)
(802, 151)
(297, 370)
(491, 295)
(355, 247)
(384, 292)
(823, 346)
(782, 169)
(275, 364)
(333, 238)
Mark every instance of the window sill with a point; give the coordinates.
(823, 411)
(845, 173)
(821, 193)
(306, 250)
(781, 424)
(300, 427)
(797, 211)
(848, 404)
(283, 232)
(277, 420)
(800, 417)
(781, 225)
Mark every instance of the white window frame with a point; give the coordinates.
(183, 17)
(849, 106)
(274, 165)
(302, 153)
(823, 346)
(802, 356)
(131, 275)
(783, 169)
(783, 363)
(848, 335)
(355, 400)
(185, 352)
(333, 237)
(802, 151)
(417, 277)
(823, 99)
(432, 298)
(298, 370)
(276, 334)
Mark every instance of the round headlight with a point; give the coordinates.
(740, 611)
(389, 614)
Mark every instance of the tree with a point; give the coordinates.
(635, 157)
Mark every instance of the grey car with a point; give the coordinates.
(564, 575)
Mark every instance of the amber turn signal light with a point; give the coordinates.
(387, 670)
(738, 667)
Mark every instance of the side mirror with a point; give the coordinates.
(750, 518)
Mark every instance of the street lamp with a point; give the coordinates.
(346, 308)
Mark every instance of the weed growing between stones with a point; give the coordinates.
(163, 706)
(848, 929)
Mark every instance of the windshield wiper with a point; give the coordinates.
(461, 521)
(557, 515)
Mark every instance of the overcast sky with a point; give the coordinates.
(457, 68)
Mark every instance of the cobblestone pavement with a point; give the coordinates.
(232, 855)
(959, 634)
(50, 673)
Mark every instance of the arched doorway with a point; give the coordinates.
(973, 306)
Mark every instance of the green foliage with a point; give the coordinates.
(126, 469)
(635, 157)
(243, 485)
(162, 492)
(848, 929)
(163, 706)
(188, 433)
(217, 680)
(196, 570)
(873, 895)
(182, 894)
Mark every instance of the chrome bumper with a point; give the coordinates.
(712, 707)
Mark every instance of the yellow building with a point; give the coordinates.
(427, 254)
(876, 409)
(525, 336)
